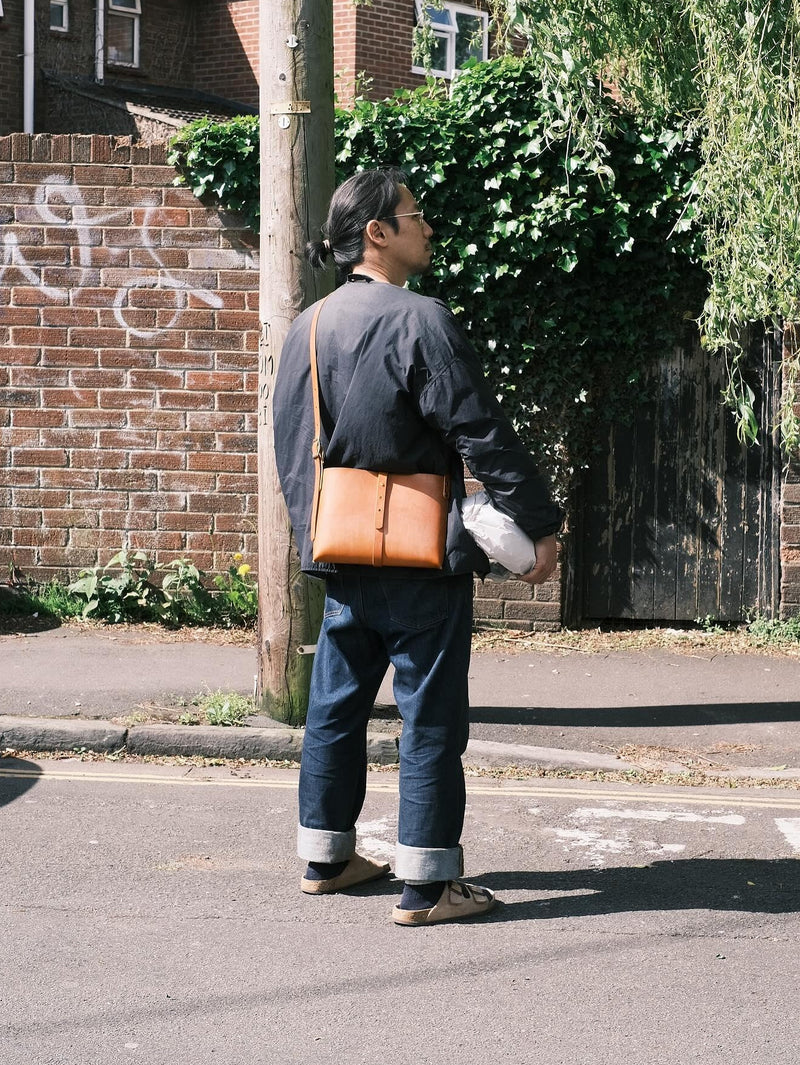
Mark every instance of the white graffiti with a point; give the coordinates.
(58, 202)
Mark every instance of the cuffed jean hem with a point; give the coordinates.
(421, 865)
(320, 845)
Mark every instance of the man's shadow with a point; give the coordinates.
(16, 777)
(749, 885)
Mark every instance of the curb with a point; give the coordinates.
(208, 741)
(285, 744)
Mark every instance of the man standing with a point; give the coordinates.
(401, 391)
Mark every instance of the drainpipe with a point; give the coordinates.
(100, 42)
(28, 39)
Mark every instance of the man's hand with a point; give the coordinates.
(546, 558)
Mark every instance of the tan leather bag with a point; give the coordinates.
(364, 518)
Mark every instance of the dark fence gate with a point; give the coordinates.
(677, 520)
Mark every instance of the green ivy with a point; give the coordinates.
(571, 269)
(571, 265)
(221, 159)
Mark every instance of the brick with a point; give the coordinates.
(230, 401)
(183, 481)
(183, 359)
(214, 340)
(232, 523)
(180, 521)
(69, 357)
(187, 400)
(157, 379)
(242, 320)
(215, 421)
(126, 398)
(157, 541)
(215, 461)
(38, 377)
(37, 336)
(158, 501)
(122, 196)
(23, 417)
(70, 519)
(163, 217)
(532, 611)
(97, 338)
(97, 378)
(99, 500)
(127, 519)
(68, 438)
(99, 419)
(134, 318)
(40, 497)
(97, 460)
(126, 438)
(96, 174)
(19, 437)
(157, 419)
(246, 443)
(68, 478)
(244, 483)
(214, 381)
(70, 397)
(20, 477)
(185, 441)
(126, 357)
(226, 543)
(128, 480)
(40, 457)
(216, 504)
(68, 316)
(156, 460)
(19, 397)
(31, 296)
(30, 316)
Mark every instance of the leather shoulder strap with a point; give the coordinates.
(316, 445)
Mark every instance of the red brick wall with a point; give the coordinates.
(226, 55)
(128, 318)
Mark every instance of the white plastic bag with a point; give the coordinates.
(497, 535)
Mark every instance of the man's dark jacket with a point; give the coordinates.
(401, 391)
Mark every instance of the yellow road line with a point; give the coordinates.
(503, 789)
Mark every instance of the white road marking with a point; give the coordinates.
(790, 827)
(587, 813)
(370, 841)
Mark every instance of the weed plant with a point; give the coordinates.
(131, 587)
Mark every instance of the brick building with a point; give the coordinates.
(145, 67)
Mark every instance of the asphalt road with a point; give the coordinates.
(152, 914)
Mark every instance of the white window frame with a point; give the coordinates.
(64, 5)
(132, 10)
(450, 33)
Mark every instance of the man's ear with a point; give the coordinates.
(375, 233)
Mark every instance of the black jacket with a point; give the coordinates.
(402, 391)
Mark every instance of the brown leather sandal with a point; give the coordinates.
(357, 871)
(456, 902)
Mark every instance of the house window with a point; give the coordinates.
(59, 15)
(455, 34)
(122, 32)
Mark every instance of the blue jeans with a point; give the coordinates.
(423, 627)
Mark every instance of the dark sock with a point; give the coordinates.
(422, 896)
(324, 870)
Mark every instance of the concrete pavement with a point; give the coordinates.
(118, 688)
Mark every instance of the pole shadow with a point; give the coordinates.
(16, 777)
(745, 885)
(637, 716)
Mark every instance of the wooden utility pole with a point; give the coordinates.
(297, 175)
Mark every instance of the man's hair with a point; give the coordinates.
(364, 196)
